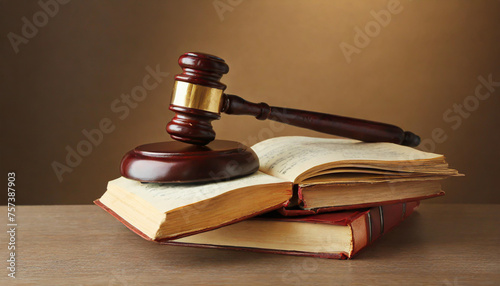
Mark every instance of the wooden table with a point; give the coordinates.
(83, 245)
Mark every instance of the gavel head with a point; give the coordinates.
(197, 98)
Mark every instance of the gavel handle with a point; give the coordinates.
(364, 130)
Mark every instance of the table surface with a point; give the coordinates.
(82, 245)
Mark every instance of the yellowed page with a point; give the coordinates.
(288, 157)
(166, 197)
(280, 235)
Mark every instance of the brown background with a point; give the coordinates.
(286, 53)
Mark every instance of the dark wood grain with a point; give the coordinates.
(178, 162)
(191, 126)
(83, 245)
(202, 69)
(364, 130)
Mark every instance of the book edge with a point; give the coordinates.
(143, 235)
(290, 212)
(371, 223)
(337, 255)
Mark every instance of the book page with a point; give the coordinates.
(289, 156)
(166, 197)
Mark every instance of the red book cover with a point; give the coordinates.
(366, 225)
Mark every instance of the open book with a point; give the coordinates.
(167, 211)
(327, 173)
(336, 174)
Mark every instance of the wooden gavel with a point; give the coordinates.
(198, 98)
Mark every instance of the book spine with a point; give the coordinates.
(376, 222)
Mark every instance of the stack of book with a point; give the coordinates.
(311, 196)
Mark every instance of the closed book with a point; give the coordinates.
(336, 235)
